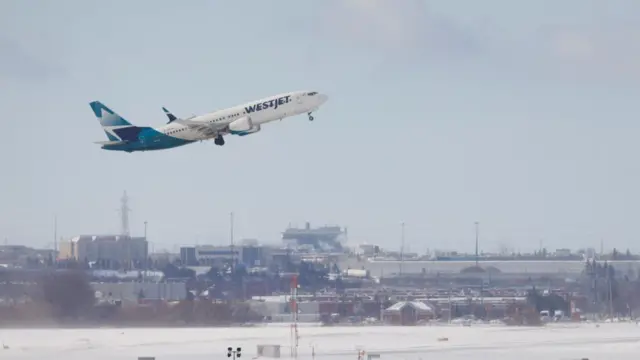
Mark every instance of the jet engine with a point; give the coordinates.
(253, 130)
(241, 125)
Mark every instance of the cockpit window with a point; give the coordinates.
(312, 93)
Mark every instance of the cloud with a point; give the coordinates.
(598, 52)
(18, 63)
(572, 46)
(406, 28)
(600, 49)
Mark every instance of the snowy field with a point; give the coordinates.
(620, 341)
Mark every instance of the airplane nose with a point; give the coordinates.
(322, 98)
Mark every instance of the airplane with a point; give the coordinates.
(239, 120)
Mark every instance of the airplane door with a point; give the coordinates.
(299, 99)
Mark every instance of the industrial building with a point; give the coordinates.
(208, 255)
(133, 291)
(408, 313)
(321, 244)
(20, 255)
(112, 249)
(322, 239)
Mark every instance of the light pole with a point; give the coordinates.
(450, 305)
(232, 245)
(146, 260)
(476, 224)
(55, 235)
(234, 353)
(401, 246)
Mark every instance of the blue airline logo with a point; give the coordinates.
(268, 104)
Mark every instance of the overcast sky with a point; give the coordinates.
(521, 115)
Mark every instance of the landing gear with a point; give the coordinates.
(219, 140)
(310, 117)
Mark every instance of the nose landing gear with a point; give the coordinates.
(310, 117)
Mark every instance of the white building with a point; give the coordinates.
(109, 248)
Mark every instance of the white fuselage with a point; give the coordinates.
(260, 112)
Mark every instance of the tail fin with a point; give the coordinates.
(114, 125)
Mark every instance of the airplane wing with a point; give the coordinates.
(206, 129)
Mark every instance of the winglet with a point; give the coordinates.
(169, 115)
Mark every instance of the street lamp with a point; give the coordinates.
(401, 246)
(476, 224)
(235, 353)
(146, 242)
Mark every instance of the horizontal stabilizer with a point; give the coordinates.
(110, 142)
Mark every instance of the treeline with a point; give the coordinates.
(238, 282)
(46, 296)
(66, 297)
(610, 291)
(547, 301)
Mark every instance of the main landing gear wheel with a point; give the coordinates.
(219, 140)
(310, 117)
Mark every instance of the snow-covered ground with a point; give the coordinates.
(620, 341)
